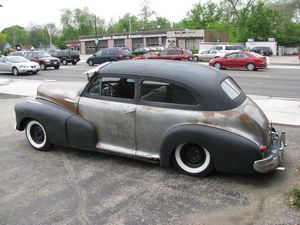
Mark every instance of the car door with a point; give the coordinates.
(242, 59)
(109, 104)
(98, 57)
(163, 105)
(230, 60)
(5, 64)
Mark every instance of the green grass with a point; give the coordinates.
(295, 194)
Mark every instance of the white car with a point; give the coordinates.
(207, 55)
(17, 65)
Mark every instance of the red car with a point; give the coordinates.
(249, 60)
(170, 54)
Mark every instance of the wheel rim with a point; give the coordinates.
(218, 65)
(42, 66)
(36, 134)
(192, 158)
(90, 63)
(250, 66)
(64, 62)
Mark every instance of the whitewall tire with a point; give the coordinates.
(37, 136)
(193, 159)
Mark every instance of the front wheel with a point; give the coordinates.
(56, 67)
(218, 65)
(192, 159)
(91, 63)
(74, 63)
(37, 136)
(250, 66)
(43, 66)
(64, 62)
(196, 59)
(15, 71)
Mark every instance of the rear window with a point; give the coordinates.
(231, 88)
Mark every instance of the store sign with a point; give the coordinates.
(114, 37)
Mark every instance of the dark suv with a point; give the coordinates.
(265, 51)
(67, 56)
(43, 58)
(109, 54)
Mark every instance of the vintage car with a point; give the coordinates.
(166, 112)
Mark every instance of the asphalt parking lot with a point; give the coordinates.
(68, 186)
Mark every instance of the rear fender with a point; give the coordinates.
(229, 152)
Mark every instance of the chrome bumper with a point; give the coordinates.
(275, 157)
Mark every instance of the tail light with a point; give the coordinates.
(263, 148)
(120, 56)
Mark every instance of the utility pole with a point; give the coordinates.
(96, 36)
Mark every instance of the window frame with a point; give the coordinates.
(86, 93)
(165, 104)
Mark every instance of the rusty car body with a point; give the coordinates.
(165, 112)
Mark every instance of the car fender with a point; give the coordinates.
(230, 152)
(63, 127)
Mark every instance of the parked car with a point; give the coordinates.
(265, 51)
(43, 59)
(139, 51)
(67, 56)
(17, 65)
(109, 54)
(148, 55)
(159, 111)
(207, 55)
(249, 60)
(176, 54)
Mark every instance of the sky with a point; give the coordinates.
(26, 12)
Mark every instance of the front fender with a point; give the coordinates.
(63, 127)
(229, 152)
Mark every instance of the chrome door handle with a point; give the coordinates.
(130, 112)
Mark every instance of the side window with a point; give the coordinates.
(219, 48)
(164, 92)
(172, 52)
(99, 53)
(243, 55)
(179, 52)
(34, 55)
(234, 55)
(118, 87)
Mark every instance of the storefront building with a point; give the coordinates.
(183, 38)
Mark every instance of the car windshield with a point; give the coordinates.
(44, 55)
(18, 59)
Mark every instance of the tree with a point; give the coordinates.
(145, 15)
(2, 37)
(39, 36)
(200, 16)
(16, 35)
(125, 24)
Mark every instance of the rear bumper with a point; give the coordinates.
(275, 157)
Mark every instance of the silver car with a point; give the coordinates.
(17, 65)
(166, 112)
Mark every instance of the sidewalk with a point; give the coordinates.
(278, 110)
(284, 60)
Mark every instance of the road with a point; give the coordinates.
(68, 186)
(276, 81)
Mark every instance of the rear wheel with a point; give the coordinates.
(250, 66)
(196, 59)
(218, 65)
(74, 62)
(192, 159)
(15, 71)
(56, 67)
(37, 136)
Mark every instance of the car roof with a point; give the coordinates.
(204, 80)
